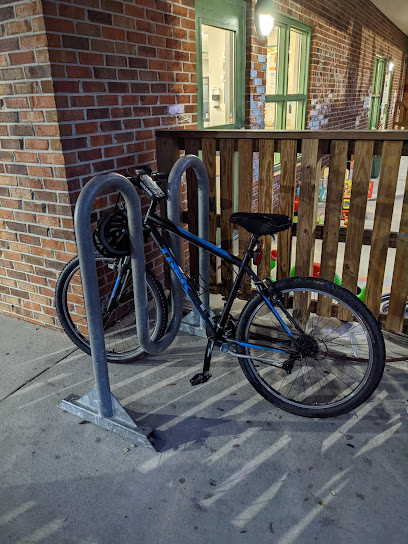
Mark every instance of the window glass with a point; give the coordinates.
(272, 61)
(270, 116)
(295, 53)
(218, 76)
(292, 115)
(287, 70)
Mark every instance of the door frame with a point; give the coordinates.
(228, 15)
(376, 92)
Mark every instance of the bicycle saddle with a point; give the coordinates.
(261, 223)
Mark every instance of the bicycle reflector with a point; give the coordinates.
(258, 253)
(111, 236)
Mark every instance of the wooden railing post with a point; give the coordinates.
(306, 227)
(265, 197)
(167, 153)
(209, 154)
(246, 165)
(331, 228)
(382, 223)
(356, 218)
(286, 204)
(399, 287)
(227, 208)
(307, 213)
(192, 147)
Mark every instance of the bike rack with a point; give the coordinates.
(99, 405)
(192, 323)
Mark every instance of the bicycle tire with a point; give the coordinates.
(119, 326)
(343, 354)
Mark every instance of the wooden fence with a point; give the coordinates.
(303, 151)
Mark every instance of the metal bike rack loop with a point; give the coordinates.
(99, 405)
(192, 323)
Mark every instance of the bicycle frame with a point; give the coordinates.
(216, 331)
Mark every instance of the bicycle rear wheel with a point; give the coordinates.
(334, 359)
(119, 324)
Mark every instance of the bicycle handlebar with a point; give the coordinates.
(148, 181)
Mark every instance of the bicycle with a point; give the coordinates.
(306, 345)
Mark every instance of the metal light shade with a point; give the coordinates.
(263, 17)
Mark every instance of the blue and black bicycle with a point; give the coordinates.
(305, 344)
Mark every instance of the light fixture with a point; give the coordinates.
(390, 65)
(263, 17)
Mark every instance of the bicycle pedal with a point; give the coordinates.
(201, 377)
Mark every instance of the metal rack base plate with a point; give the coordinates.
(87, 408)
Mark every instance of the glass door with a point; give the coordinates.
(220, 63)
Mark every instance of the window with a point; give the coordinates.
(376, 90)
(287, 70)
(220, 63)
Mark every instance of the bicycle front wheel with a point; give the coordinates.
(121, 341)
(330, 350)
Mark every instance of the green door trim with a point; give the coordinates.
(376, 92)
(285, 23)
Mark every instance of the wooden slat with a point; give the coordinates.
(307, 212)
(382, 223)
(192, 147)
(209, 153)
(331, 228)
(265, 198)
(399, 287)
(286, 205)
(356, 217)
(367, 235)
(167, 152)
(227, 207)
(245, 175)
(307, 217)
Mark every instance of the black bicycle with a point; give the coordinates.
(305, 344)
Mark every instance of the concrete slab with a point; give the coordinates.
(233, 467)
(26, 351)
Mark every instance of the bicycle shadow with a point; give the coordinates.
(224, 418)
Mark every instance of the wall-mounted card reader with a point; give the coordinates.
(215, 97)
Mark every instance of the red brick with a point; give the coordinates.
(42, 102)
(60, 25)
(91, 59)
(18, 27)
(112, 33)
(25, 57)
(113, 6)
(79, 72)
(100, 17)
(40, 171)
(134, 11)
(136, 37)
(29, 8)
(86, 128)
(71, 12)
(102, 45)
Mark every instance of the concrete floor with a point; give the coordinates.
(233, 468)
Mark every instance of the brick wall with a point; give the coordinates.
(84, 85)
(346, 37)
(120, 70)
(35, 216)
